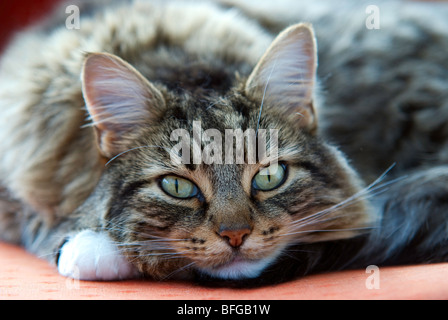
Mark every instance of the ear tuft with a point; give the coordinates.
(118, 98)
(284, 79)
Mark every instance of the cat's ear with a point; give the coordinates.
(284, 78)
(119, 100)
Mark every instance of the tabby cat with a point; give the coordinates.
(87, 177)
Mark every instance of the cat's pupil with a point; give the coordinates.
(269, 178)
(179, 187)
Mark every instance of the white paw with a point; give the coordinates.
(92, 256)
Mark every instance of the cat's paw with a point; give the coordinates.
(93, 256)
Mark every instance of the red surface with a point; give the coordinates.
(23, 276)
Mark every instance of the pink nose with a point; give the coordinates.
(235, 238)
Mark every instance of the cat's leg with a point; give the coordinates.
(91, 255)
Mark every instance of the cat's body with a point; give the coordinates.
(382, 100)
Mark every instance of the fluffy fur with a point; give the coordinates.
(75, 166)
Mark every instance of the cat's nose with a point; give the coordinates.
(235, 237)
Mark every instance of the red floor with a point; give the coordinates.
(23, 276)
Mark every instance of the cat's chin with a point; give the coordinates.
(239, 269)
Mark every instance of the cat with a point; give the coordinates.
(87, 178)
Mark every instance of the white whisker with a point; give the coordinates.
(179, 270)
(359, 196)
(322, 217)
(264, 96)
(133, 149)
(327, 230)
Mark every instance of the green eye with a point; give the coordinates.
(178, 187)
(270, 178)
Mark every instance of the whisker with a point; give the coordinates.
(140, 242)
(320, 218)
(316, 217)
(179, 270)
(160, 254)
(136, 247)
(133, 149)
(151, 237)
(328, 230)
(360, 195)
(264, 96)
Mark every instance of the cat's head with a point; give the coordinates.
(213, 212)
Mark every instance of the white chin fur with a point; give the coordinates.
(240, 269)
(93, 256)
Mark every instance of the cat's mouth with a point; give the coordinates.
(239, 267)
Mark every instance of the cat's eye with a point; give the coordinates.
(270, 178)
(179, 187)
